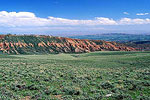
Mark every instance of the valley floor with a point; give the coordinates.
(89, 76)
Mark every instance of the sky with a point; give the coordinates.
(53, 17)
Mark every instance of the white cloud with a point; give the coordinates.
(129, 21)
(141, 14)
(17, 15)
(29, 21)
(96, 21)
(13, 19)
(126, 13)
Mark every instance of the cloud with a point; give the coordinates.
(126, 13)
(13, 19)
(28, 21)
(137, 21)
(17, 15)
(96, 21)
(141, 14)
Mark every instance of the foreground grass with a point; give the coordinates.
(89, 76)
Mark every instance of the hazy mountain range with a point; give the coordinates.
(118, 37)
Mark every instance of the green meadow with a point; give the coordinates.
(109, 75)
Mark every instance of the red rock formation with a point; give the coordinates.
(59, 44)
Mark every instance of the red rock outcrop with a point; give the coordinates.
(59, 44)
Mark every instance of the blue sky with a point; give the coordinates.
(74, 16)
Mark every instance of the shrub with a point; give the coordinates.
(7, 95)
(72, 91)
(107, 85)
(67, 97)
(33, 87)
(143, 98)
(97, 96)
(52, 91)
(119, 96)
(145, 83)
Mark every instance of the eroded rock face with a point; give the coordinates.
(48, 44)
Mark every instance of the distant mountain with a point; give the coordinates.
(140, 45)
(118, 37)
(31, 44)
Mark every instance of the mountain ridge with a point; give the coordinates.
(37, 44)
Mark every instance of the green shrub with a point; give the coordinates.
(72, 91)
(67, 97)
(143, 98)
(119, 96)
(107, 85)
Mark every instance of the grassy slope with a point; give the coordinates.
(79, 76)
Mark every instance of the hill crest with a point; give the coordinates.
(37, 44)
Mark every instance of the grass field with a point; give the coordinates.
(88, 76)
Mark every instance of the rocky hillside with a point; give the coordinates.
(16, 44)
